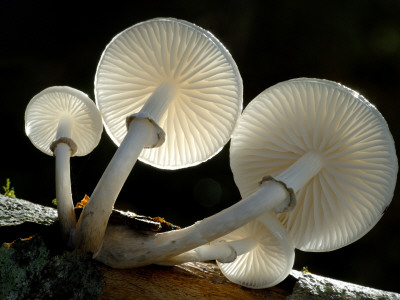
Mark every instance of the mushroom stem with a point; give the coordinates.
(142, 131)
(159, 101)
(65, 205)
(93, 220)
(270, 195)
(62, 151)
(299, 173)
(64, 127)
(223, 251)
(243, 246)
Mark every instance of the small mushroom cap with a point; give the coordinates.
(269, 262)
(356, 183)
(208, 102)
(46, 109)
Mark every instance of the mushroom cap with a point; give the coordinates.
(201, 118)
(46, 109)
(356, 184)
(269, 262)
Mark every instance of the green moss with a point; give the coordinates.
(8, 190)
(305, 270)
(28, 271)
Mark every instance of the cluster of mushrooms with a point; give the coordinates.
(314, 161)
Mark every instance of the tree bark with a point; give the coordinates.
(40, 267)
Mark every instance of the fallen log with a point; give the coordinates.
(35, 264)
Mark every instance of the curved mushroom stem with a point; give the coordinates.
(142, 132)
(270, 195)
(63, 148)
(65, 205)
(225, 252)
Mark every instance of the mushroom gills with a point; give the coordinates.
(178, 67)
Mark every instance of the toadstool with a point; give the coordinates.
(256, 255)
(163, 79)
(63, 122)
(269, 261)
(181, 78)
(330, 146)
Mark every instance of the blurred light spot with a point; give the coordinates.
(207, 192)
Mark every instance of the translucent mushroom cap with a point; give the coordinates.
(269, 262)
(356, 183)
(202, 116)
(46, 110)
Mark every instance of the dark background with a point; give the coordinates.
(356, 43)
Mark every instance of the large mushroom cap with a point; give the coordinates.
(269, 262)
(201, 118)
(50, 106)
(356, 183)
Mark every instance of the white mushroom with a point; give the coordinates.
(328, 144)
(63, 122)
(162, 73)
(304, 132)
(257, 255)
(269, 261)
(180, 77)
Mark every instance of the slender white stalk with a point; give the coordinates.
(93, 221)
(65, 205)
(159, 101)
(299, 173)
(223, 251)
(64, 127)
(62, 153)
(269, 195)
(243, 246)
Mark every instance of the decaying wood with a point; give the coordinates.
(19, 219)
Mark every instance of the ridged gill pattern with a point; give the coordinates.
(47, 108)
(349, 195)
(202, 116)
(269, 262)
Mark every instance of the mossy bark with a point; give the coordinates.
(35, 264)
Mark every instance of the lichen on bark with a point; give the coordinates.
(30, 271)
